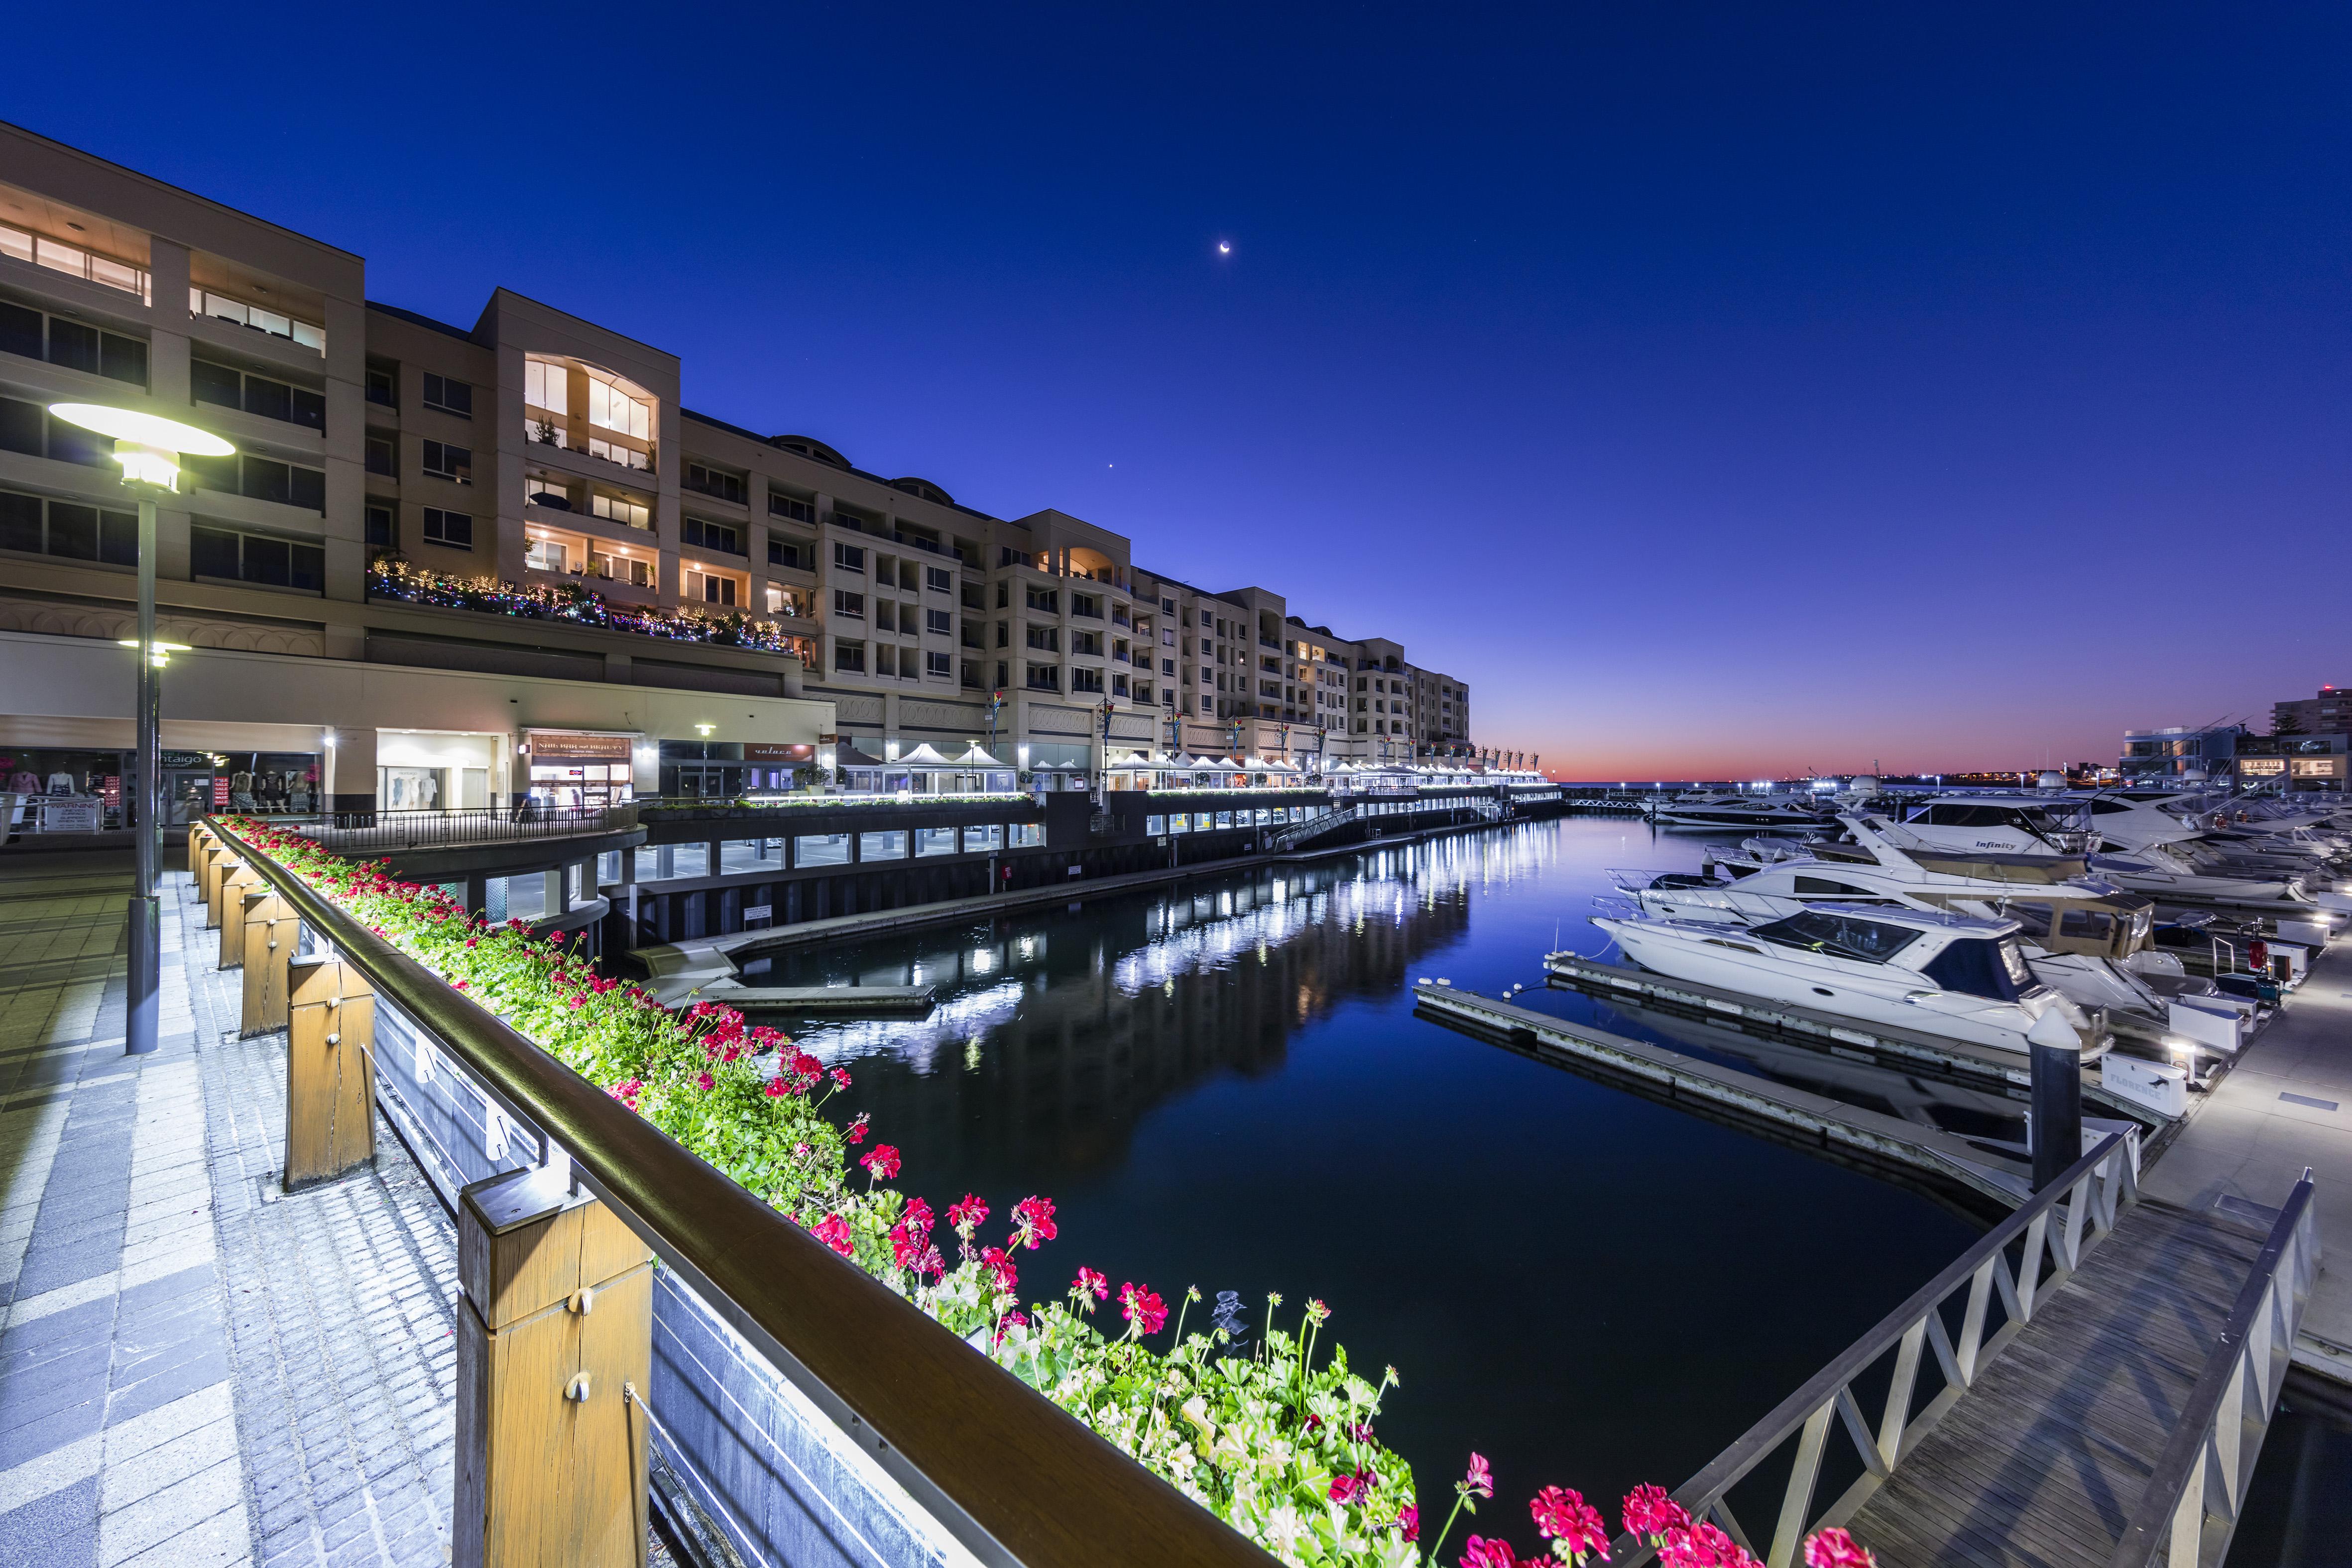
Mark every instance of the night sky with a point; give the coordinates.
(1719, 390)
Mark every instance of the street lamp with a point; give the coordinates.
(150, 448)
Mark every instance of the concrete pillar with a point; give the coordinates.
(350, 781)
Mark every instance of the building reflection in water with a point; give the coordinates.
(1056, 1033)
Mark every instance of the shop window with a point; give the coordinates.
(984, 837)
(1025, 835)
(935, 840)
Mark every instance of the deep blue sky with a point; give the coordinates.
(1725, 390)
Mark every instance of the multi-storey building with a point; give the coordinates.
(2328, 713)
(449, 562)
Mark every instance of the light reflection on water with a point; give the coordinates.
(1226, 1084)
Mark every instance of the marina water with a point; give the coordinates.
(1226, 1086)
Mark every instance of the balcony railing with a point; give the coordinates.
(804, 1405)
(375, 832)
(75, 261)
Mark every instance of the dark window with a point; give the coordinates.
(1817, 886)
(20, 330)
(20, 522)
(782, 554)
(710, 536)
(447, 462)
(939, 620)
(216, 384)
(270, 400)
(379, 456)
(213, 474)
(849, 557)
(781, 505)
(849, 655)
(20, 426)
(73, 344)
(1840, 935)
(269, 480)
(1979, 966)
(309, 408)
(72, 443)
(382, 528)
(384, 387)
(310, 489)
(211, 552)
(448, 395)
(712, 482)
(454, 529)
(73, 531)
(255, 558)
(121, 359)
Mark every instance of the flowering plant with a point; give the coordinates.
(1275, 1437)
(391, 578)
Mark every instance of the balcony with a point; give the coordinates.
(211, 304)
(75, 261)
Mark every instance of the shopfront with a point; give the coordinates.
(434, 770)
(67, 791)
(581, 768)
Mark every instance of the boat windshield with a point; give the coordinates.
(1842, 935)
(1981, 967)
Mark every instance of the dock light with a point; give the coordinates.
(149, 447)
(158, 653)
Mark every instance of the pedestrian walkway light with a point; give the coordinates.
(149, 447)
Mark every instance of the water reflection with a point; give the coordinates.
(1226, 1086)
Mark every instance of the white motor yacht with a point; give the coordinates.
(1728, 810)
(1947, 974)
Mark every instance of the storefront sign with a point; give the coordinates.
(763, 751)
(2319, 767)
(2261, 766)
(554, 745)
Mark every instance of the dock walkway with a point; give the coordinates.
(2041, 1463)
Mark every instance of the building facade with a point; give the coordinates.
(2327, 713)
(650, 593)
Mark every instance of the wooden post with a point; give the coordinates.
(218, 859)
(330, 1075)
(269, 934)
(229, 911)
(557, 1321)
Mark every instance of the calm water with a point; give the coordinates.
(1227, 1086)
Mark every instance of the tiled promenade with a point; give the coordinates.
(192, 1369)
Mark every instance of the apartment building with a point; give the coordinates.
(450, 563)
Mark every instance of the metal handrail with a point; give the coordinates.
(2094, 1189)
(2210, 1458)
(344, 831)
(1017, 1481)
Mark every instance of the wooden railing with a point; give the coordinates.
(2059, 1225)
(2193, 1500)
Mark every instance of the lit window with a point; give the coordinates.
(546, 384)
(544, 555)
(610, 408)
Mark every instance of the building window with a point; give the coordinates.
(715, 482)
(382, 528)
(849, 656)
(849, 557)
(1044, 678)
(76, 345)
(849, 604)
(635, 570)
(1085, 680)
(939, 663)
(721, 537)
(784, 506)
(710, 588)
(221, 307)
(1118, 687)
(1046, 599)
(1085, 605)
(939, 580)
(384, 386)
(449, 395)
(1044, 639)
(444, 462)
(453, 530)
(544, 555)
(224, 387)
(381, 457)
(261, 479)
(621, 510)
(73, 532)
(255, 558)
(782, 552)
(939, 622)
(74, 261)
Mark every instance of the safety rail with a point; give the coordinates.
(991, 1467)
(366, 832)
(2191, 1505)
(2093, 1192)
(1290, 835)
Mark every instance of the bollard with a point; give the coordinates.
(557, 1321)
(2057, 1078)
(237, 879)
(217, 861)
(329, 1073)
(269, 929)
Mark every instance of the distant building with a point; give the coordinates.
(2177, 754)
(2329, 713)
(2294, 762)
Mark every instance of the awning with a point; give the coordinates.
(923, 757)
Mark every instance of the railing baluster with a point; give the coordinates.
(1796, 1503)
(2189, 1519)
(1849, 1411)
(1945, 1356)
(1898, 1393)
(1721, 1509)
(2029, 1268)
(1994, 1269)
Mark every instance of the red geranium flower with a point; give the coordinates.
(1141, 1306)
(1561, 1514)
(966, 1217)
(1834, 1548)
(1352, 1489)
(834, 1231)
(1034, 1218)
(1481, 1552)
(1650, 1512)
(1000, 1262)
(1408, 1521)
(882, 1164)
(1089, 1283)
(1478, 1481)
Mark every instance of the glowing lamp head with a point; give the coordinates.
(147, 446)
(161, 654)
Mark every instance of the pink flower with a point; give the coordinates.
(704, 1080)
(1702, 1546)
(1012, 1320)
(1408, 1521)
(1140, 1305)
(906, 1248)
(840, 1077)
(856, 1132)
(1034, 1217)
(1834, 1548)
(834, 1231)
(461, 985)
(967, 1216)
(1478, 1481)
(917, 1216)
(776, 1088)
(1561, 1514)
(627, 1091)
(882, 1164)
(1649, 1511)
(1481, 1552)
(1000, 1262)
(806, 1065)
(1349, 1490)
(1089, 1283)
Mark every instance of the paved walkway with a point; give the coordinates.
(193, 1370)
(2286, 1105)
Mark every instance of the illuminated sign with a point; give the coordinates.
(2319, 767)
(2261, 766)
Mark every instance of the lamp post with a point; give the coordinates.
(150, 449)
